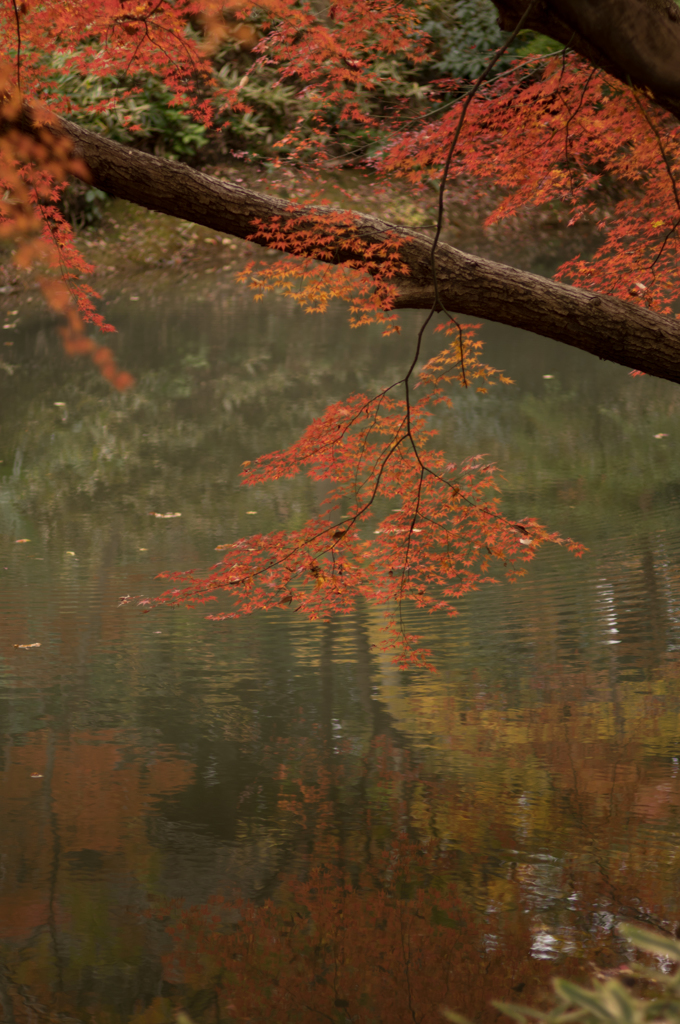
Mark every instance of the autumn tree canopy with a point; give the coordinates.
(590, 127)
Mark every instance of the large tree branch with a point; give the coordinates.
(605, 326)
(636, 41)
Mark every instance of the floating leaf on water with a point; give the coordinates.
(26, 647)
(143, 549)
(71, 553)
(23, 540)
(165, 515)
(36, 775)
(59, 405)
(251, 513)
(548, 376)
(222, 547)
(657, 436)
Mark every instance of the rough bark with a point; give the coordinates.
(636, 41)
(605, 326)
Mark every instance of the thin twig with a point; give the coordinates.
(18, 21)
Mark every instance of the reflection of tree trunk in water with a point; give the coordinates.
(358, 809)
(367, 671)
(381, 719)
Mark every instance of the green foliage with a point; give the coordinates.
(133, 111)
(465, 34)
(636, 994)
(280, 114)
(83, 206)
(532, 42)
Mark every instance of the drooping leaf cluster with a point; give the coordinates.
(399, 521)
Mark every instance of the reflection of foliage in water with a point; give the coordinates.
(526, 788)
(228, 405)
(477, 836)
(562, 444)
(397, 919)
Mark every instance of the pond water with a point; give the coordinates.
(263, 819)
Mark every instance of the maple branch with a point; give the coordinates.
(607, 327)
(635, 41)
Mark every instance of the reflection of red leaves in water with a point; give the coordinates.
(99, 795)
(380, 923)
(405, 876)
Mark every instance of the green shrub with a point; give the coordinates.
(120, 103)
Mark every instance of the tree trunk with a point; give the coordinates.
(609, 328)
(636, 41)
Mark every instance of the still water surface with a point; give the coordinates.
(263, 819)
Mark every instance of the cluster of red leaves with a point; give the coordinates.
(106, 37)
(571, 136)
(365, 279)
(335, 56)
(39, 46)
(32, 174)
(446, 537)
